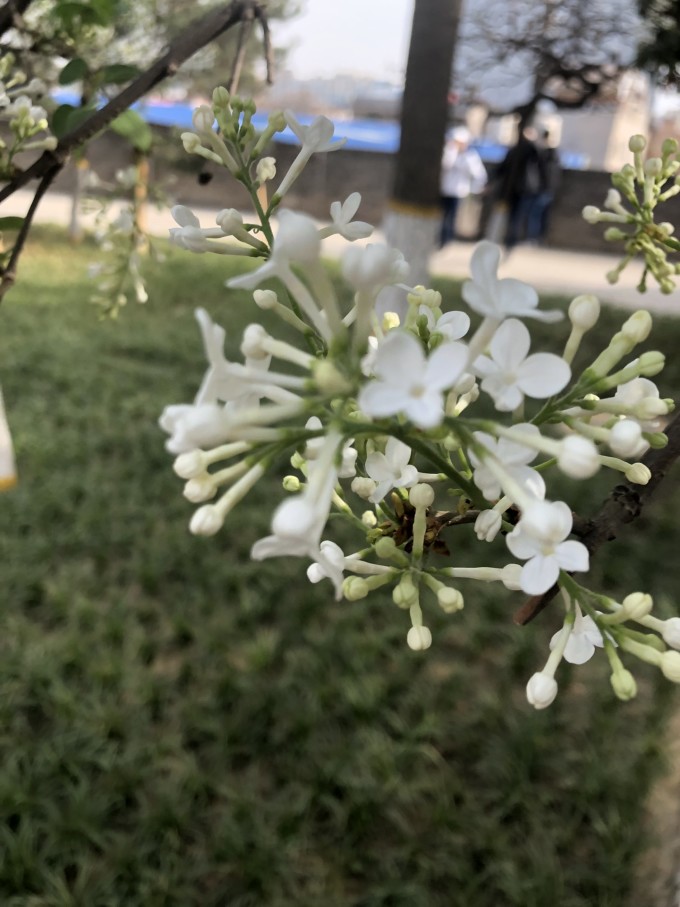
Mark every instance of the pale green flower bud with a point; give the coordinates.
(405, 594)
(624, 685)
(329, 379)
(638, 474)
(669, 147)
(638, 326)
(637, 143)
(189, 465)
(206, 521)
(450, 600)
(670, 666)
(190, 141)
(265, 299)
(637, 605)
(541, 690)
(220, 97)
(671, 632)
(265, 170)
(615, 234)
(653, 167)
(355, 588)
(591, 214)
(651, 363)
(363, 487)
(421, 495)
(369, 519)
(584, 312)
(419, 639)
(199, 489)
(291, 483)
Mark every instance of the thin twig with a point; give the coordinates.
(623, 505)
(266, 43)
(240, 55)
(9, 273)
(12, 11)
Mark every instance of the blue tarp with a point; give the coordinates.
(362, 135)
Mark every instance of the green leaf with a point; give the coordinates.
(10, 223)
(66, 117)
(132, 127)
(117, 73)
(74, 71)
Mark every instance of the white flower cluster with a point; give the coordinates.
(642, 185)
(377, 416)
(26, 118)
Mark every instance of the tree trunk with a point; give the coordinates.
(413, 216)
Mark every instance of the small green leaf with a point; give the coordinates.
(117, 73)
(132, 127)
(66, 117)
(10, 223)
(74, 71)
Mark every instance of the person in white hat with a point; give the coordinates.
(462, 174)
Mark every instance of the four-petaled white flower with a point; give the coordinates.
(511, 374)
(499, 299)
(391, 469)
(539, 538)
(342, 214)
(317, 137)
(451, 325)
(297, 240)
(372, 267)
(583, 638)
(513, 456)
(409, 383)
(330, 564)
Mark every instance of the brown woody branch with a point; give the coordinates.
(624, 505)
(11, 13)
(199, 33)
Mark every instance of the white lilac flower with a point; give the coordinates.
(391, 469)
(539, 539)
(487, 525)
(342, 214)
(510, 374)
(193, 426)
(582, 640)
(409, 383)
(298, 522)
(451, 325)
(315, 139)
(625, 439)
(189, 234)
(347, 468)
(499, 299)
(372, 267)
(330, 564)
(634, 393)
(514, 458)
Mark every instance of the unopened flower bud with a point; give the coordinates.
(190, 141)
(291, 483)
(465, 383)
(584, 312)
(220, 96)
(624, 685)
(670, 666)
(421, 495)
(653, 167)
(369, 519)
(363, 487)
(671, 632)
(651, 407)
(591, 214)
(405, 593)
(625, 439)
(613, 200)
(651, 363)
(253, 338)
(328, 378)
(203, 118)
(615, 234)
(450, 600)
(637, 143)
(190, 464)
(541, 690)
(511, 577)
(265, 299)
(200, 488)
(669, 147)
(638, 326)
(206, 521)
(638, 474)
(355, 588)
(578, 457)
(637, 605)
(265, 170)
(390, 321)
(487, 525)
(419, 639)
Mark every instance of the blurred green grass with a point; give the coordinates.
(182, 727)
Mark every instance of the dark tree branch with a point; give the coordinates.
(199, 33)
(266, 43)
(240, 55)
(624, 505)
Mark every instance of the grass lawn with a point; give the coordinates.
(181, 727)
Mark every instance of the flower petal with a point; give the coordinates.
(539, 574)
(426, 411)
(542, 375)
(445, 365)
(572, 555)
(453, 325)
(398, 454)
(516, 297)
(510, 345)
(379, 399)
(399, 359)
(522, 545)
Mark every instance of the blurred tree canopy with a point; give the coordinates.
(660, 49)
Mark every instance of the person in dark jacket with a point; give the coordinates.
(551, 173)
(519, 182)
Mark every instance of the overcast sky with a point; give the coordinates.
(363, 37)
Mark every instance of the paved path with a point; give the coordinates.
(549, 270)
